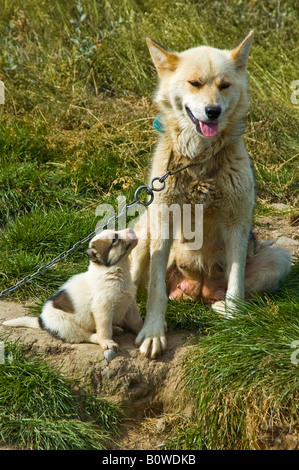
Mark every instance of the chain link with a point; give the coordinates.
(149, 191)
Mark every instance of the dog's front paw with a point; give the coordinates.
(151, 341)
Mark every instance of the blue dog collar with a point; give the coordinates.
(157, 124)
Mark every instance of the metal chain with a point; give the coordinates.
(149, 191)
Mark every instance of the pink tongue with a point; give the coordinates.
(209, 129)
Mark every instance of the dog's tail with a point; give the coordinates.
(29, 322)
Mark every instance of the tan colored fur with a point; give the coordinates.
(221, 179)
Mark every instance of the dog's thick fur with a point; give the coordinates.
(203, 98)
(87, 306)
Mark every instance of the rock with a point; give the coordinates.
(161, 424)
(280, 206)
(109, 354)
(285, 241)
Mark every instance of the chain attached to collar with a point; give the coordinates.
(150, 190)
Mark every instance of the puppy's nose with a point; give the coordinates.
(131, 234)
(130, 231)
(213, 112)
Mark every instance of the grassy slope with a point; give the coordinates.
(240, 375)
(76, 131)
(40, 409)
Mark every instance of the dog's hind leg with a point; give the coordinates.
(236, 245)
(61, 325)
(266, 268)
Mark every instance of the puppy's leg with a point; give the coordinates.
(151, 338)
(62, 325)
(132, 319)
(236, 244)
(104, 330)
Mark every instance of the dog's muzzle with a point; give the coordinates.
(207, 129)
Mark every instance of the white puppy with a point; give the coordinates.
(87, 306)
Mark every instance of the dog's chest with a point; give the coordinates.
(210, 185)
(119, 288)
(124, 295)
(188, 187)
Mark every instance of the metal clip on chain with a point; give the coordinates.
(150, 189)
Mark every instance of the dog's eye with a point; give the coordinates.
(195, 84)
(224, 85)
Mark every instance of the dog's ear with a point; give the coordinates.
(92, 254)
(241, 52)
(163, 59)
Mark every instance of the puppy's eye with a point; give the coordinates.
(224, 85)
(195, 84)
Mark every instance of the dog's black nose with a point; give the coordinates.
(213, 112)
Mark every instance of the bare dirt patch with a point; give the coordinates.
(285, 230)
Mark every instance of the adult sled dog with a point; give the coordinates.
(202, 97)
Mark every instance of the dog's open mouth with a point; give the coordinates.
(208, 129)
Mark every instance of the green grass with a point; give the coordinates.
(240, 377)
(76, 128)
(76, 131)
(41, 409)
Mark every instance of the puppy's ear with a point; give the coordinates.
(241, 52)
(92, 254)
(164, 60)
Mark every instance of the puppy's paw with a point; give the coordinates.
(151, 341)
(108, 344)
(105, 343)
